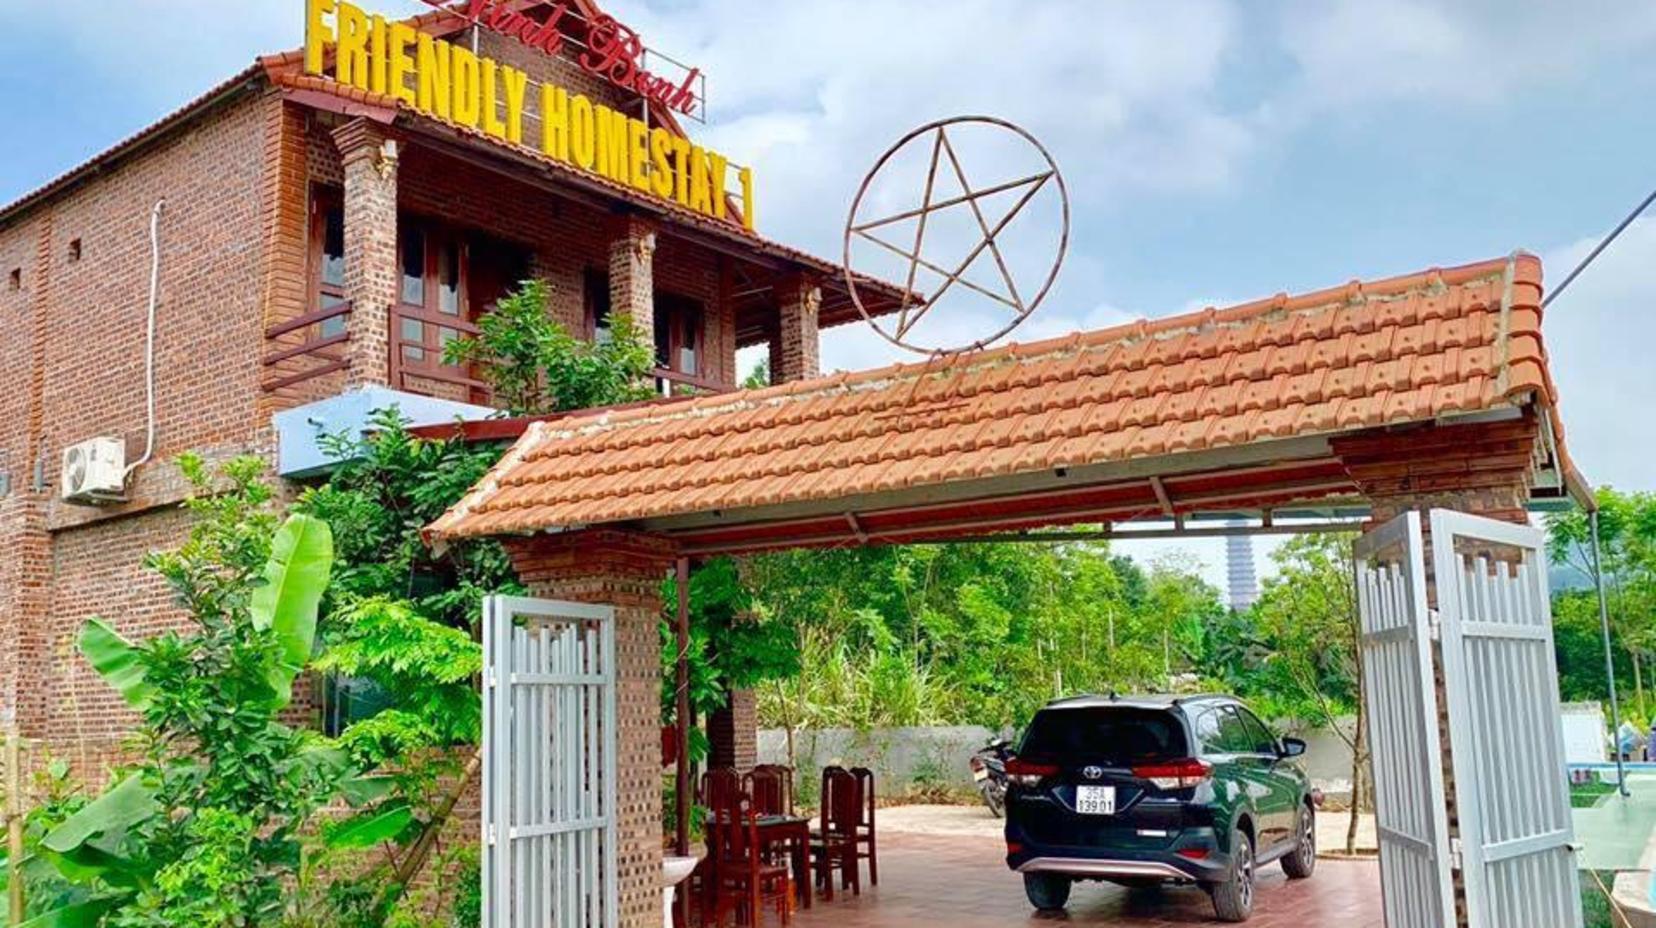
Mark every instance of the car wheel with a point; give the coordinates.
(1302, 862)
(1233, 899)
(1047, 891)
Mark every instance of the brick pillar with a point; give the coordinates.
(794, 351)
(733, 733)
(371, 261)
(632, 275)
(1481, 469)
(624, 570)
(25, 542)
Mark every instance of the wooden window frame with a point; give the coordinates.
(318, 289)
(594, 281)
(428, 313)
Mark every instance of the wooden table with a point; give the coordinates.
(795, 830)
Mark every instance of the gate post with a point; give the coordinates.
(624, 570)
(1477, 468)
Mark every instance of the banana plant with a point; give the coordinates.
(92, 846)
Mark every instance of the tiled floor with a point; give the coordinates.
(956, 882)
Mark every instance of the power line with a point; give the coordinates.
(1601, 246)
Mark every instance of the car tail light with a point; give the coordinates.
(1178, 774)
(1025, 773)
(1193, 853)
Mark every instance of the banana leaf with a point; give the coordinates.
(117, 661)
(370, 828)
(301, 558)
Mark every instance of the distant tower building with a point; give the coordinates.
(1239, 571)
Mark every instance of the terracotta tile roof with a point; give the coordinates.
(1406, 349)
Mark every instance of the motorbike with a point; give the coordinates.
(989, 773)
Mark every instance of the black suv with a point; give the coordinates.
(1142, 790)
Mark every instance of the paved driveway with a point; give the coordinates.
(961, 881)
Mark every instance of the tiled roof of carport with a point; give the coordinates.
(1405, 349)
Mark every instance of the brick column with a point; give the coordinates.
(632, 275)
(795, 351)
(733, 733)
(25, 542)
(624, 570)
(1481, 469)
(371, 261)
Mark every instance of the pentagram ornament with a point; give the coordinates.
(883, 232)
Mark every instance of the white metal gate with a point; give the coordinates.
(1506, 729)
(549, 837)
(1401, 697)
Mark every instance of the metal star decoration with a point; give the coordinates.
(910, 311)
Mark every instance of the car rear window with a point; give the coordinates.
(1116, 736)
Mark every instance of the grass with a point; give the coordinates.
(1594, 905)
(1587, 795)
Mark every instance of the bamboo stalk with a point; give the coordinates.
(14, 828)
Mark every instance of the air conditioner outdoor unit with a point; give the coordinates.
(94, 470)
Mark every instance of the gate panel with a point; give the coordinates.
(1401, 695)
(549, 837)
(1506, 727)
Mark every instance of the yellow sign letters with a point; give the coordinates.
(450, 83)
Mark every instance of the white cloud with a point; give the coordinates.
(811, 93)
(1465, 51)
(1599, 337)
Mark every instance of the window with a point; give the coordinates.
(1231, 734)
(1118, 736)
(328, 261)
(1207, 731)
(74, 250)
(448, 279)
(1258, 735)
(15, 282)
(595, 298)
(679, 324)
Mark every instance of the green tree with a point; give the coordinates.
(535, 366)
(1627, 543)
(1307, 615)
(208, 827)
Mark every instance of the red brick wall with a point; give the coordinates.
(76, 371)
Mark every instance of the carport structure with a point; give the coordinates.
(1427, 391)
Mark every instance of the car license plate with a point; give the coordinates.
(980, 774)
(1095, 800)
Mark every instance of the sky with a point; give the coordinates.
(1214, 151)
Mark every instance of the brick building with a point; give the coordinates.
(319, 244)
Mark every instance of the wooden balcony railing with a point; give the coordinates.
(332, 362)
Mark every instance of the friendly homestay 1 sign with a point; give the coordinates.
(453, 84)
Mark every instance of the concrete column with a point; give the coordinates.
(795, 352)
(372, 273)
(624, 570)
(632, 275)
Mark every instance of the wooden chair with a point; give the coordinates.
(834, 844)
(743, 881)
(720, 786)
(771, 787)
(865, 843)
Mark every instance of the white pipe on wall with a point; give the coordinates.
(149, 342)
